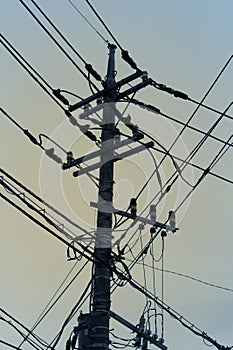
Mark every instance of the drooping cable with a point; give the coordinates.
(187, 324)
(201, 178)
(213, 285)
(163, 288)
(145, 280)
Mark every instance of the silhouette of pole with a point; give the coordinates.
(99, 335)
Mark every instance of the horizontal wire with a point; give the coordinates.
(185, 276)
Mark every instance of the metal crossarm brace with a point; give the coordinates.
(139, 218)
(115, 158)
(144, 335)
(95, 154)
(105, 92)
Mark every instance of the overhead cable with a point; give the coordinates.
(42, 212)
(56, 42)
(51, 304)
(41, 200)
(199, 105)
(89, 23)
(88, 66)
(124, 53)
(91, 255)
(36, 337)
(83, 128)
(156, 110)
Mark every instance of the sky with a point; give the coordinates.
(183, 44)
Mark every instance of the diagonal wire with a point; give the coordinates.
(56, 42)
(89, 23)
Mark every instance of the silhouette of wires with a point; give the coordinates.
(88, 66)
(45, 86)
(183, 321)
(13, 190)
(36, 342)
(87, 21)
(52, 302)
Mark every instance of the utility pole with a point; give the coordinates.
(93, 327)
(99, 337)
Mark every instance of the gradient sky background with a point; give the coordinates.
(183, 44)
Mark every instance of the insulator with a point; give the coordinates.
(181, 94)
(50, 153)
(58, 95)
(172, 220)
(133, 206)
(31, 137)
(68, 344)
(153, 109)
(152, 230)
(69, 156)
(153, 213)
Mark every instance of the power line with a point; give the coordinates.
(205, 172)
(10, 345)
(83, 128)
(56, 42)
(198, 146)
(124, 53)
(186, 276)
(199, 105)
(88, 66)
(185, 163)
(41, 211)
(105, 26)
(156, 110)
(31, 342)
(39, 339)
(71, 315)
(41, 200)
(49, 307)
(187, 324)
(89, 23)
